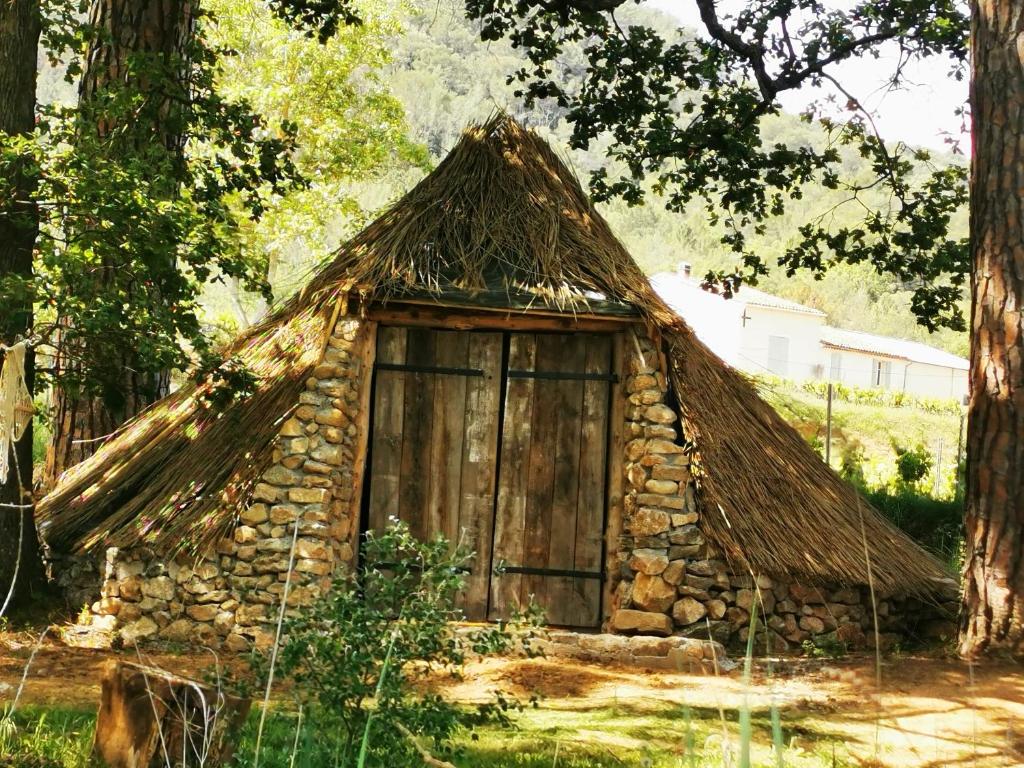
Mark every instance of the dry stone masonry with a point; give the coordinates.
(233, 594)
(672, 581)
(668, 579)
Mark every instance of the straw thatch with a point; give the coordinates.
(500, 211)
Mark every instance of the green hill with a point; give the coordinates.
(445, 77)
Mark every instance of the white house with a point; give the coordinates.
(761, 333)
(753, 331)
(866, 360)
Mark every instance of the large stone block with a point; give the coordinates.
(660, 500)
(688, 611)
(205, 612)
(812, 624)
(687, 535)
(716, 609)
(675, 572)
(180, 630)
(644, 622)
(653, 593)
(679, 474)
(307, 495)
(160, 588)
(278, 475)
(660, 414)
(667, 487)
(663, 446)
(648, 521)
(648, 561)
(265, 492)
(138, 630)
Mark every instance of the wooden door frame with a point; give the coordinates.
(510, 321)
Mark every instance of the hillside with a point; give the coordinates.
(445, 77)
(438, 71)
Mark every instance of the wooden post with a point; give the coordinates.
(149, 718)
(828, 427)
(959, 454)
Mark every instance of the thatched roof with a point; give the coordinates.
(501, 212)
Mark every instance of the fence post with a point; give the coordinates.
(959, 453)
(828, 427)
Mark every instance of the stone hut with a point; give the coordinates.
(486, 361)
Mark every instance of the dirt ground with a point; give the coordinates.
(928, 712)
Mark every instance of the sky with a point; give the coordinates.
(918, 114)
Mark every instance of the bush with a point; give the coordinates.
(912, 464)
(355, 657)
(851, 464)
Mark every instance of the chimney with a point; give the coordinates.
(684, 268)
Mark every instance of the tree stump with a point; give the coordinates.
(149, 718)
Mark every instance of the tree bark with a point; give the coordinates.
(19, 41)
(158, 33)
(993, 599)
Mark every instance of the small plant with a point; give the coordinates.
(825, 647)
(851, 464)
(912, 464)
(355, 657)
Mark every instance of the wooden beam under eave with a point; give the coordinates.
(461, 318)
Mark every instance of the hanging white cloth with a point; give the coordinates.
(15, 404)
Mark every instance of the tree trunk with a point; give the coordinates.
(993, 600)
(149, 718)
(142, 46)
(19, 40)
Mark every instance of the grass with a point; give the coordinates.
(874, 428)
(935, 521)
(636, 736)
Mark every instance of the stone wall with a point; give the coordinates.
(232, 594)
(671, 580)
(667, 578)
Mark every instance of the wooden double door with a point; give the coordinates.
(499, 442)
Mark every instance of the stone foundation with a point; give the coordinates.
(680, 654)
(671, 580)
(665, 578)
(232, 595)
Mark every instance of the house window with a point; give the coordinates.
(882, 374)
(778, 355)
(835, 368)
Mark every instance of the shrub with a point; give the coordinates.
(851, 464)
(912, 464)
(355, 656)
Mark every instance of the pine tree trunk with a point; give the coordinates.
(19, 40)
(161, 30)
(993, 601)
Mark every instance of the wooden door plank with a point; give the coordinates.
(479, 462)
(536, 531)
(418, 425)
(569, 353)
(616, 474)
(448, 416)
(388, 415)
(513, 479)
(584, 609)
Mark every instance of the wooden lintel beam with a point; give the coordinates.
(461, 319)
